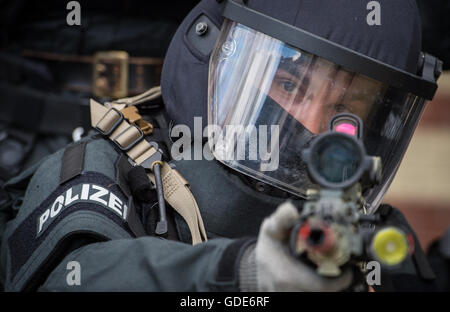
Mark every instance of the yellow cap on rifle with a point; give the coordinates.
(390, 246)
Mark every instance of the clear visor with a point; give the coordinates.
(268, 100)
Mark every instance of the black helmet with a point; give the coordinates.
(294, 64)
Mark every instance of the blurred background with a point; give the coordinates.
(421, 189)
(46, 80)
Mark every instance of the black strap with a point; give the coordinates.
(140, 184)
(123, 166)
(133, 220)
(72, 163)
(228, 269)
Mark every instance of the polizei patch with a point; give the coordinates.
(87, 193)
(92, 203)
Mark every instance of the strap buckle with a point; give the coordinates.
(154, 158)
(130, 141)
(110, 74)
(102, 123)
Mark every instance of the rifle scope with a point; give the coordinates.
(337, 159)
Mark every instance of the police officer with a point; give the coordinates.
(291, 64)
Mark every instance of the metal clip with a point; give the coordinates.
(154, 163)
(132, 115)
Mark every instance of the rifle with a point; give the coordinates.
(334, 229)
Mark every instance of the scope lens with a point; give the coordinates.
(336, 158)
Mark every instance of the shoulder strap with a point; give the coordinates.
(129, 137)
(149, 95)
(180, 197)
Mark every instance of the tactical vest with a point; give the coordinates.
(93, 190)
(81, 195)
(76, 196)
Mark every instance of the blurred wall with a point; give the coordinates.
(421, 189)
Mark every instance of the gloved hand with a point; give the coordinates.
(269, 266)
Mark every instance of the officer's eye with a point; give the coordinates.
(341, 108)
(288, 85)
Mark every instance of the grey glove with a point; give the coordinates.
(269, 266)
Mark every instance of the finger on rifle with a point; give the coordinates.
(279, 224)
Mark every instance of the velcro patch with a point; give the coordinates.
(89, 192)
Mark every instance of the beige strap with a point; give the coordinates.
(125, 134)
(176, 188)
(149, 95)
(180, 197)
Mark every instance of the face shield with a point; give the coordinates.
(269, 98)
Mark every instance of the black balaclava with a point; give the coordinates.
(397, 42)
(293, 139)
